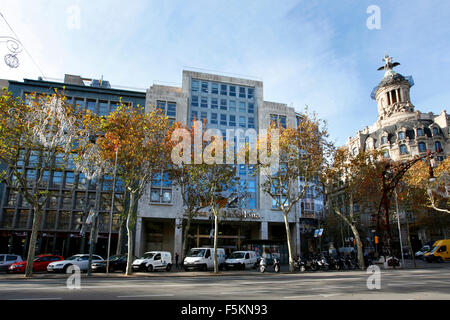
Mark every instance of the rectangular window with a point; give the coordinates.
(33, 160)
(223, 89)
(250, 92)
(205, 87)
(79, 103)
(166, 196)
(242, 108)
(232, 91)
(204, 102)
(171, 109)
(161, 105)
(214, 88)
(82, 181)
(251, 122)
(114, 105)
(232, 106)
(242, 122)
(223, 104)
(223, 119)
(242, 170)
(251, 107)
(283, 121)
(103, 108)
(154, 195)
(213, 118)
(204, 116)
(214, 103)
(92, 105)
(232, 120)
(194, 116)
(70, 179)
(194, 101)
(194, 86)
(241, 92)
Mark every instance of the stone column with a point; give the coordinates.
(297, 238)
(178, 239)
(138, 245)
(264, 230)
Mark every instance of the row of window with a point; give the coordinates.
(50, 222)
(231, 105)
(80, 200)
(222, 89)
(221, 119)
(278, 120)
(56, 179)
(401, 134)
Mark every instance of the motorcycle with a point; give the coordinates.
(322, 262)
(263, 265)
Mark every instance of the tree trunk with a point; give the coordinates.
(288, 236)
(185, 236)
(358, 247)
(130, 229)
(32, 244)
(216, 225)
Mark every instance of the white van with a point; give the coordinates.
(203, 259)
(153, 260)
(241, 260)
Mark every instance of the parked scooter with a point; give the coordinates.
(263, 265)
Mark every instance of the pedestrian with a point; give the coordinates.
(176, 259)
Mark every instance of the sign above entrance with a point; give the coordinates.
(234, 213)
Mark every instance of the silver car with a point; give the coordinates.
(8, 259)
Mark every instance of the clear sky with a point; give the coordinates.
(318, 53)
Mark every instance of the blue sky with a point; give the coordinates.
(318, 53)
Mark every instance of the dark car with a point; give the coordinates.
(115, 263)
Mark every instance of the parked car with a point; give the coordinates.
(241, 260)
(419, 254)
(80, 260)
(40, 263)
(203, 259)
(153, 260)
(440, 252)
(8, 259)
(115, 263)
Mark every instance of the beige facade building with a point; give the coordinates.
(227, 103)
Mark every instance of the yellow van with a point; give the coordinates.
(440, 252)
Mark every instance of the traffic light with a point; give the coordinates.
(377, 240)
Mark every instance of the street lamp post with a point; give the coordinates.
(111, 212)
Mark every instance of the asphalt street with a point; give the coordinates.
(410, 284)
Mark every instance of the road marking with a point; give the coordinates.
(37, 299)
(303, 296)
(147, 295)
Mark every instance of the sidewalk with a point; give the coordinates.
(421, 265)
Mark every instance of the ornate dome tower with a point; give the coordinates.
(392, 93)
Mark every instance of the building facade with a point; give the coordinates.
(401, 131)
(255, 224)
(72, 195)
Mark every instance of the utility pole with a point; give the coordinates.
(111, 212)
(399, 229)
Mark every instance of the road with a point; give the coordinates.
(432, 283)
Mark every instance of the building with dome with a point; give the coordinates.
(401, 131)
